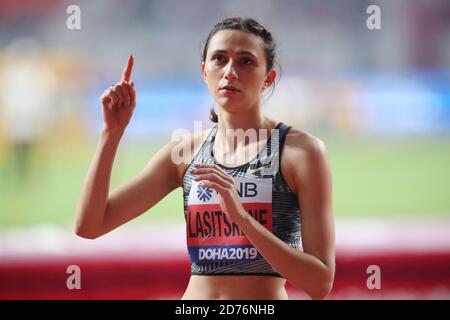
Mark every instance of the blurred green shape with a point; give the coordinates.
(371, 178)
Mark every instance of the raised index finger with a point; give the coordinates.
(126, 74)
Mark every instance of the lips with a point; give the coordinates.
(230, 88)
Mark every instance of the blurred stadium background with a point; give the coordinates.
(379, 99)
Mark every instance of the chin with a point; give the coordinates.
(228, 103)
(230, 106)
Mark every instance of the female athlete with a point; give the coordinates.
(253, 187)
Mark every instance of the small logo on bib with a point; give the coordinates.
(204, 194)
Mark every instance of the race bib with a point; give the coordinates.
(211, 235)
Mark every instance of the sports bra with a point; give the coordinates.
(215, 244)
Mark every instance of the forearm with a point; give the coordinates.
(93, 198)
(301, 269)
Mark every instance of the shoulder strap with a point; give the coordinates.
(205, 149)
(284, 130)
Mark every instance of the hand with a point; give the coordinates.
(119, 101)
(212, 176)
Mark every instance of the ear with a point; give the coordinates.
(270, 78)
(203, 71)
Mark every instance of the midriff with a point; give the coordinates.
(235, 287)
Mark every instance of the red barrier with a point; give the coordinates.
(410, 276)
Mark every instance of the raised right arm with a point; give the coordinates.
(99, 211)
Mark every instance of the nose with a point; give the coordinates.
(230, 71)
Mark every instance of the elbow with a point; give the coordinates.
(322, 288)
(87, 229)
(321, 292)
(85, 233)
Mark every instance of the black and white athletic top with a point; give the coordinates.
(216, 245)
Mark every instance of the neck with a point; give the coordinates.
(251, 119)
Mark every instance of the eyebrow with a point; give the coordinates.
(241, 53)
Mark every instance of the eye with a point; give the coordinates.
(247, 61)
(218, 58)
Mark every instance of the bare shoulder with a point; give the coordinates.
(303, 153)
(300, 143)
(184, 149)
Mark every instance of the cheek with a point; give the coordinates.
(257, 78)
(255, 86)
(212, 76)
